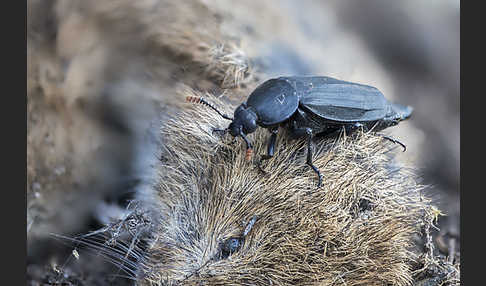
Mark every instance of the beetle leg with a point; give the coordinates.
(222, 131)
(392, 140)
(309, 156)
(307, 132)
(271, 143)
(249, 148)
(270, 149)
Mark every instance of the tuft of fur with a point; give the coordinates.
(229, 64)
(356, 229)
(185, 32)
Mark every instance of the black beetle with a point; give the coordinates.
(311, 105)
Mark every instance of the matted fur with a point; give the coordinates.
(207, 192)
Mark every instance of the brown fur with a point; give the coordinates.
(207, 192)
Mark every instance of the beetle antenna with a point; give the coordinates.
(222, 131)
(249, 149)
(197, 99)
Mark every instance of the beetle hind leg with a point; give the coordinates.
(393, 140)
(309, 157)
(307, 132)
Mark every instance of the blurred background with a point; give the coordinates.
(102, 76)
(408, 50)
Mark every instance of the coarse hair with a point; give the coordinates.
(357, 229)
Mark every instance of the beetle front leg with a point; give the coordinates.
(271, 144)
(270, 149)
(307, 132)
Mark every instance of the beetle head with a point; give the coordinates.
(244, 121)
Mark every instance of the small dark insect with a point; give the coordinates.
(309, 106)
